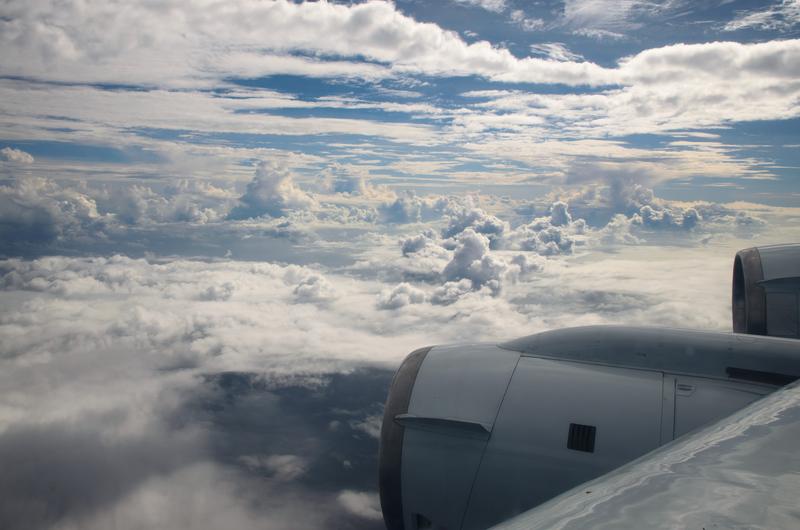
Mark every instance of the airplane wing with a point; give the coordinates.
(742, 472)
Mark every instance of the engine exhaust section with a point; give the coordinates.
(474, 434)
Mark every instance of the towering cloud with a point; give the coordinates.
(271, 192)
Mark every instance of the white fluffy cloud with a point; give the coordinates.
(400, 295)
(271, 192)
(468, 216)
(472, 261)
(39, 210)
(69, 45)
(16, 156)
(366, 505)
(185, 201)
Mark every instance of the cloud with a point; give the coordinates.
(556, 51)
(472, 261)
(559, 214)
(468, 216)
(400, 296)
(519, 18)
(411, 208)
(70, 46)
(37, 210)
(16, 156)
(618, 231)
(450, 292)
(366, 505)
(666, 218)
(414, 244)
(116, 345)
(271, 192)
(187, 51)
(354, 184)
(283, 468)
(371, 425)
(56, 469)
(549, 236)
(600, 18)
(782, 15)
(184, 201)
(598, 34)
(496, 6)
(314, 288)
(76, 48)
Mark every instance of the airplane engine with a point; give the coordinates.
(766, 284)
(475, 433)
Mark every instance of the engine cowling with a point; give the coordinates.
(766, 285)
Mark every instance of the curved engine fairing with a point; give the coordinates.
(766, 291)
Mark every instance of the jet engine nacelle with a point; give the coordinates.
(476, 433)
(766, 284)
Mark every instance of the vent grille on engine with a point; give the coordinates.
(581, 437)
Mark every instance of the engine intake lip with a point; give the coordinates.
(391, 448)
(748, 299)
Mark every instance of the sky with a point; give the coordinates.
(223, 224)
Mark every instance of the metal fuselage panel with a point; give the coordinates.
(742, 472)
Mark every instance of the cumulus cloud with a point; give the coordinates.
(559, 215)
(666, 218)
(366, 505)
(38, 210)
(354, 184)
(624, 211)
(411, 208)
(184, 201)
(414, 244)
(16, 156)
(472, 261)
(400, 296)
(314, 288)
(468, 216)
(450, 292)
(618, 231)
(552, 235)
(271, 192)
